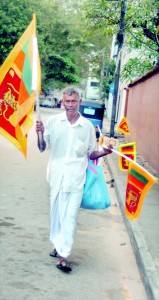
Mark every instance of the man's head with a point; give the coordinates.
(71, 100)
(72, 90)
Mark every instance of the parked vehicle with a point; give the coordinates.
(46, 103)
(49, 101)
(59, 103)
(94, 111)
(92, 89)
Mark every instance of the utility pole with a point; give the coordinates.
(120, 39)
(102, 73)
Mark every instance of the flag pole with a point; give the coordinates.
(129, 159)
(34, 87)
(39, 133)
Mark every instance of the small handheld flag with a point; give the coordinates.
(123, 126)
(129, 150)
(139, 183)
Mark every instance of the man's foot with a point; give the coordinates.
(54, 253)
(64, 265)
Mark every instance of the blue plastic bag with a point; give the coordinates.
(91, 175)
(95, 195)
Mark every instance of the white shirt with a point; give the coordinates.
(69, 148)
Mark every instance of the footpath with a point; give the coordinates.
(104, 266)
(143, 232)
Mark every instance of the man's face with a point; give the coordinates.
(71, 103)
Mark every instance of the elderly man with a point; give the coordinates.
(71, 140)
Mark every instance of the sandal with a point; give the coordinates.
(64, 265)
(54, 253)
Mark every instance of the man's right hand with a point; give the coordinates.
(39, 126)
(40, 131)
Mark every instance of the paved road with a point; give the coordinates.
(104, 266)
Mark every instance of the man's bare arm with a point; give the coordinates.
(97, 154)
(40, 134)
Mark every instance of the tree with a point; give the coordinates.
(141, 28)
(108, 78)
(13, 22)
(61, 45)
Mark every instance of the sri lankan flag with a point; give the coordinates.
(139, 182)
(123, 126)
(16, 94)
(128, 150)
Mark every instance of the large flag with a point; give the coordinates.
(129, 150)
(123, 126)
(16, 93)
(139, 182)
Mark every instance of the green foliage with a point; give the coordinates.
(63, 50)
(12, 23)
(74, 34)
(141, 28)
(61, 69)
(135, 68)
(108, 78)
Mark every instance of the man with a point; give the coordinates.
(71, 139)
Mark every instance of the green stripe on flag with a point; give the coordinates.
(27, 71)
(128, 147)
(137, 175)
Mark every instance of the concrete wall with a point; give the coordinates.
(142, 112)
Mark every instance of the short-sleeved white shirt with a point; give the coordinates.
(69, 148)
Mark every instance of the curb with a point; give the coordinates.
(144, 259)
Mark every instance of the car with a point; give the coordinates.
(47, 103)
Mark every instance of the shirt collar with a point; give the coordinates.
(63, 117)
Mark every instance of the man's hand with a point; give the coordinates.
(40, 131)
(39, 126)
(107, 149)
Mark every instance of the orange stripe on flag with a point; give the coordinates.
(19, 61)
(23, 95)
(140, 185)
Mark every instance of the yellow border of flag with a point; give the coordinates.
(139, 182)
(123, 126)
(127, 152)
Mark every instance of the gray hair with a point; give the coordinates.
(71, 90)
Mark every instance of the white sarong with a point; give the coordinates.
(63, 215)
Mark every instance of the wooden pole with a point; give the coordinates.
(34, 87)
(129, 159)
(40, 135)
(120, 39)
